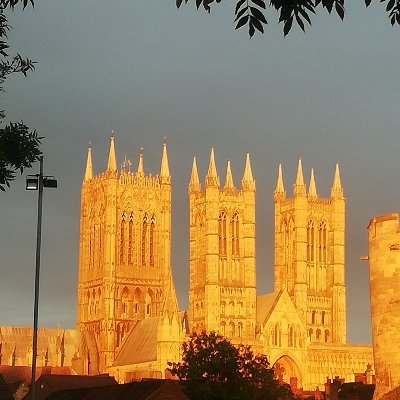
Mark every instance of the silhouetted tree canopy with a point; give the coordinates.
(19, 147)
(213, 368)
(253, 13)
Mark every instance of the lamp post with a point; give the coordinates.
(37, 182)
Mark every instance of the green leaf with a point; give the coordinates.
(288, 26)
(258, 14)
(242, 21)
(257, 24)
(259, 3)
(339, 10)
(390, 5)
(240, 13)
(300, 23)
(238, 5)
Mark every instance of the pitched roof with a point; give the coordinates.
(48, 384)
(365, 391)
(265, 303)
(140, 345)
(21, 373)
(153, 389)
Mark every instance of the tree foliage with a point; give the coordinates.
(213, 368)
(252, 13)
(19, 147)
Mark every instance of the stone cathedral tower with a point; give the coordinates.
(309, 255)
(222, 293)
(124, 258)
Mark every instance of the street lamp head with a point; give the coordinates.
(32, 182)
(49, 182)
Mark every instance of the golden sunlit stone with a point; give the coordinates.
(128, 321)
(384, 262)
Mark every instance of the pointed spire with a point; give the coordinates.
(299, 177)
(229, 179)
(299, 187)
(194, 183)
(112, 161)
(212, 178)
(248, 181)
(169, 305)
(337, 186)
(280, 188)
(164, 171)
(89, 169)
(140, 169)
(312, 190)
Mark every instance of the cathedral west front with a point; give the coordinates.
(128, 320)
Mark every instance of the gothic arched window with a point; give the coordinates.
(277, 335)
(291, 337)
(98, 301)
(223, 328)
(323, 256)
(121, 331)
(148, 303)
(311, 273)
(144, 237)
(136, 301)
(231, 329)
(130, 239)
(235, 235)
(240, 329)
(125, 301)
(152, 238)
(313, 317)
(122, 240)
(322, 243)
(222, 235)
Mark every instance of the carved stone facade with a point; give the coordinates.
(309, 256)
(222, 293)
(124, 259)
(128, 322)
(384, 263)
(301, 326)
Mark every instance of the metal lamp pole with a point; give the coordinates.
(37, 274)
(37, 182)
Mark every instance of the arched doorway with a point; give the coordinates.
(286, 370)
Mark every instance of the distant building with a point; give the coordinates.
(128, 320)
(384, 263)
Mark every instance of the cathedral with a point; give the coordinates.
(128, 320)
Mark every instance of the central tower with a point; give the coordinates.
(222, 293)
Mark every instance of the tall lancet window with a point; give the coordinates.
(288, 235)
(95, 233)
(91, 240)
(152, 239)
(322, 256)
(222, 235)
(311, 273)
(144, 239)
(235, 235)
(130, 239)
(101, 238)
(122, 240)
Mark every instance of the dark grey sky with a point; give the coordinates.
(147, 70)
